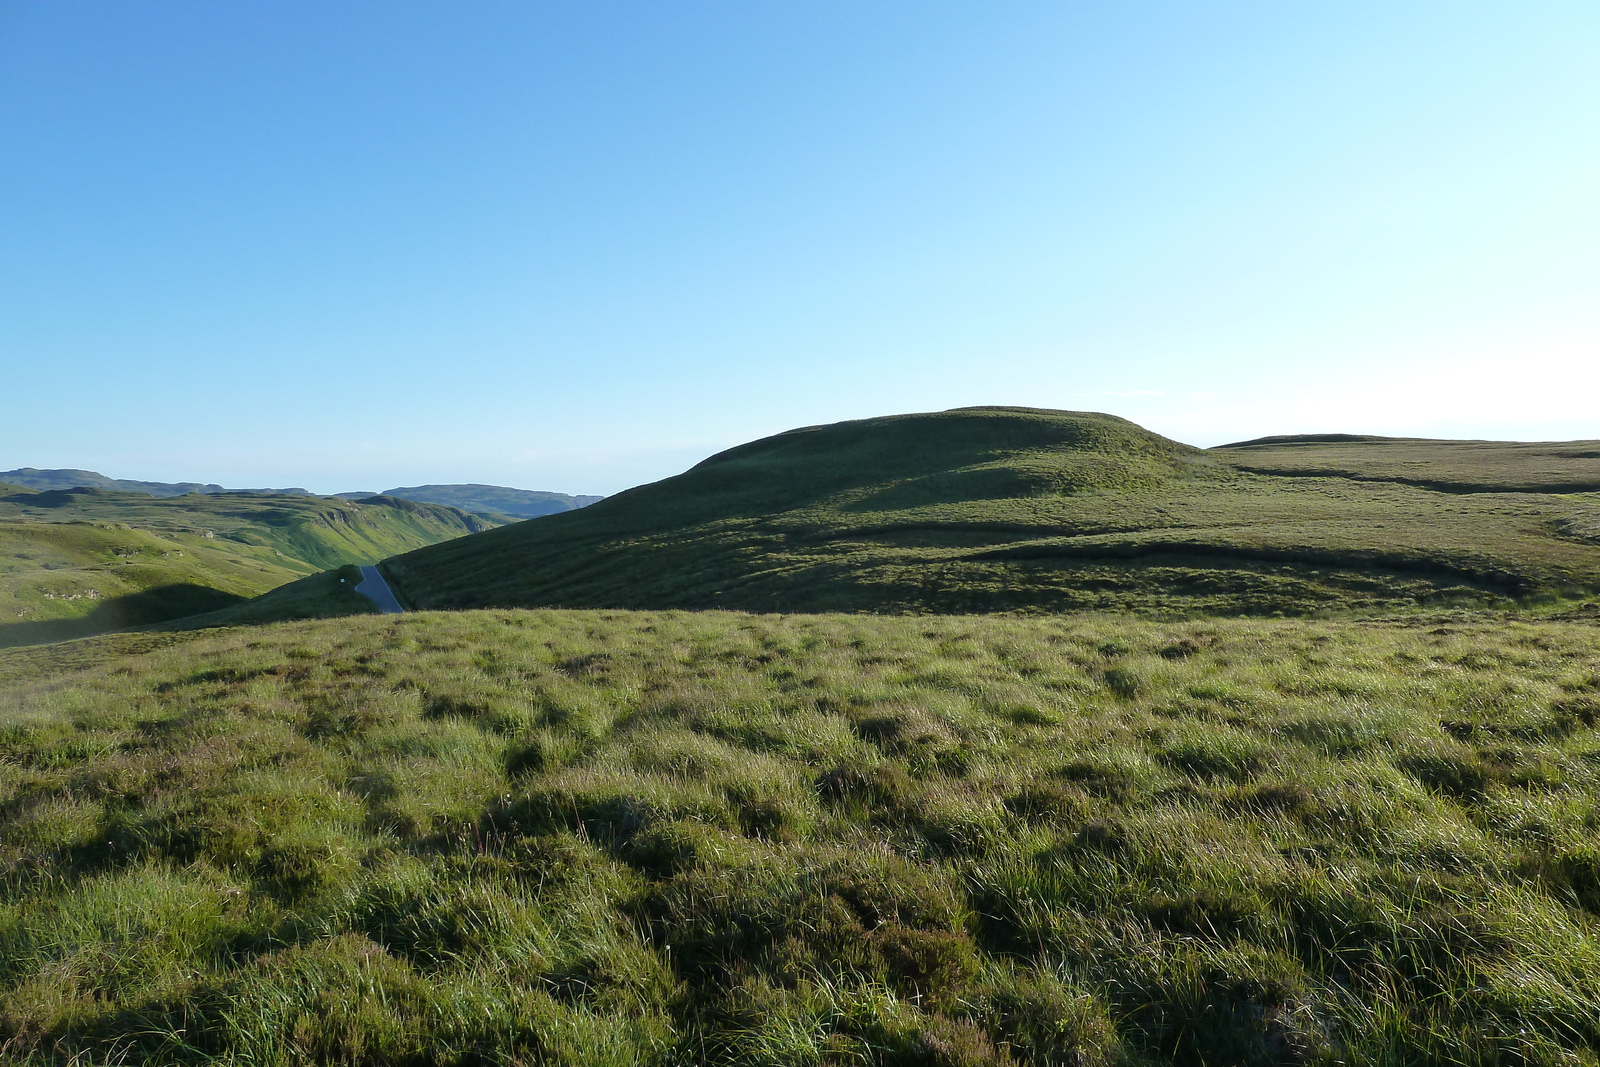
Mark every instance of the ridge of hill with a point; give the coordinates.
(84, 560)
(492, 500)
(71, 478)
(999, 508)
(488, 499)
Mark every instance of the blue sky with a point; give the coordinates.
(577, 246)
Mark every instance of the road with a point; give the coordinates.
(373, 585)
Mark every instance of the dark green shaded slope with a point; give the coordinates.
(1015, 509)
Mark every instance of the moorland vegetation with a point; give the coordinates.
(568, 837)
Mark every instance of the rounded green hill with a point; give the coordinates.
(999, 508)
(899, 461)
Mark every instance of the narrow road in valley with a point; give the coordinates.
(373, 585)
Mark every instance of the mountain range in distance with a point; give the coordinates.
(70, 478)
(496, 500)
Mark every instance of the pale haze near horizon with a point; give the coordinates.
(579, 246)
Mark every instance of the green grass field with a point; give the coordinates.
(86, 561)
(1013, 509)
(584, 837)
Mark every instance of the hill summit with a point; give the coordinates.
(998, 508)
(906, 461)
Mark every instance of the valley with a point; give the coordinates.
(82, 561)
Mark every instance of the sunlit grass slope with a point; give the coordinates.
(986, 509)
(1449, 466)
(522, 837)
(84, 561)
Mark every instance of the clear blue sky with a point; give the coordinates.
(576, 246)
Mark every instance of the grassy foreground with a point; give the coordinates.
(519, 837)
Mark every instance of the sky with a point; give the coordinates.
(576, 246)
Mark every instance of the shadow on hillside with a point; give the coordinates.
(327, 594)
(160, 604)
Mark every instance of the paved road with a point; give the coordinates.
(373, 585)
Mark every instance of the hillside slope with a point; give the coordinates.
(983, 509)
(82, 561)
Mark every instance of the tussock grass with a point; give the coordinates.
(609, 837)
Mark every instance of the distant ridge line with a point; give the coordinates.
(1362, 438)
(497, 500)
(73, 478)
(1314, 439)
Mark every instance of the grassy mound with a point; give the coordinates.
(985, 509)
(618, 838)
(84, 561)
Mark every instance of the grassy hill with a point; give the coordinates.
(985, 509)
(608, 838)
(82, 561)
